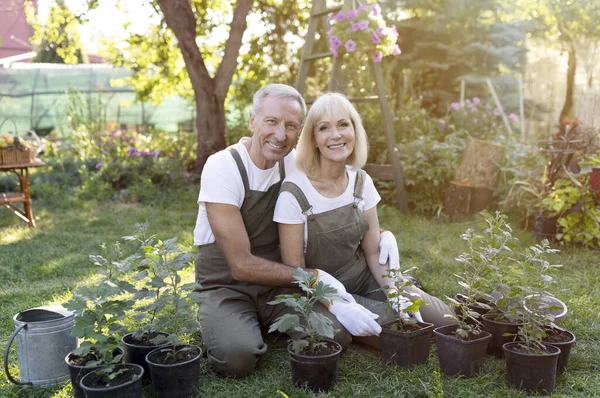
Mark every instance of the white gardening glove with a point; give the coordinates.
(388, 250)
(403, 306)
(327, 279)
(357, 320)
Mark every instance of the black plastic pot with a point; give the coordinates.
(565, 351)
(497, 329)
(406, 349)
(460, 357)
(135, 353)
(545, 227)
(178, 380)
(318, 373)
(535, 373)
(77, 372)
(129, 389)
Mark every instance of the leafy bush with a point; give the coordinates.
(163, 303)
(428, 166)
(314, 326)
(477, 119)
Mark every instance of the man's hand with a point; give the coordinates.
(357, 320)
(327, 279)
(388, 250)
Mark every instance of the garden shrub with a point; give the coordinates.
(124, 166)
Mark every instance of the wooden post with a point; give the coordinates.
(308, 47)
(390, 138)
(462, 93)
(499, 107)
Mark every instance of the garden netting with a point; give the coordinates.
(40, 97)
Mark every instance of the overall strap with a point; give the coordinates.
(298, 194)
(282, 169)
(242, 169)
(359, 184)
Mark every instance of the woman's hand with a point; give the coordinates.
(388, 250)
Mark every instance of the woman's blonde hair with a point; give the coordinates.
(308, 157)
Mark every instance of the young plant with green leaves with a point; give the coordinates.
(167, 304)
(398, 300)
(536, 299)
(481, 275)
(101, 306)
(314, 327)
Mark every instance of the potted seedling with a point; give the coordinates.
(314, 357)
(462, 346)
(531, 364)
(174, 368)
(404, 341)
(148, 336)
(99, 310)
(482, 263)
(486, 278)
(122, 380)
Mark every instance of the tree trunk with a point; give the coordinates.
(210, 127)
(210, 93)
(571, 71)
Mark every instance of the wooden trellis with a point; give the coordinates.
(336, 83)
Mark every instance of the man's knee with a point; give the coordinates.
(234, 357)
(342, 337)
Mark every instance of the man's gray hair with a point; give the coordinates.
(278, 91)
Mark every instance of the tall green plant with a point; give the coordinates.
(165, 302)
(533, 295)
(101, 307)
(314, 327)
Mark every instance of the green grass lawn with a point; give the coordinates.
(40, 266)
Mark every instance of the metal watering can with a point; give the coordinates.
(44, 338)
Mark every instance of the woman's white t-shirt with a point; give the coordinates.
(288, 211)
(221, 182)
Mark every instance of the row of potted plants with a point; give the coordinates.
(157, 306)
(507, 302)
(505, 309)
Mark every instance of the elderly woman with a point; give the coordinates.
(327, 210)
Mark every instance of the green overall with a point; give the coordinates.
(333, 245)
(231, 312)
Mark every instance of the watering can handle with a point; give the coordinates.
(23, 326)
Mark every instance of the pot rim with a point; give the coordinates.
(563, 342)
(118, 349)
(425, 327)
(559, 302)
(170, 365)
(508, 346)
(490, 314)
(484, 335)
(337, 352)
(144, 346)
(137, 377)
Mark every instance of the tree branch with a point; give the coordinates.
(180, 18)
(232, 48)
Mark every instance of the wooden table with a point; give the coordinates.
(9, 199)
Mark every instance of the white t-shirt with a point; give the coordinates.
(221, 182)
(288, 210)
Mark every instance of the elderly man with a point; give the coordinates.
(238, 260)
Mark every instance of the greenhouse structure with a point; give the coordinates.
(41, 97)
